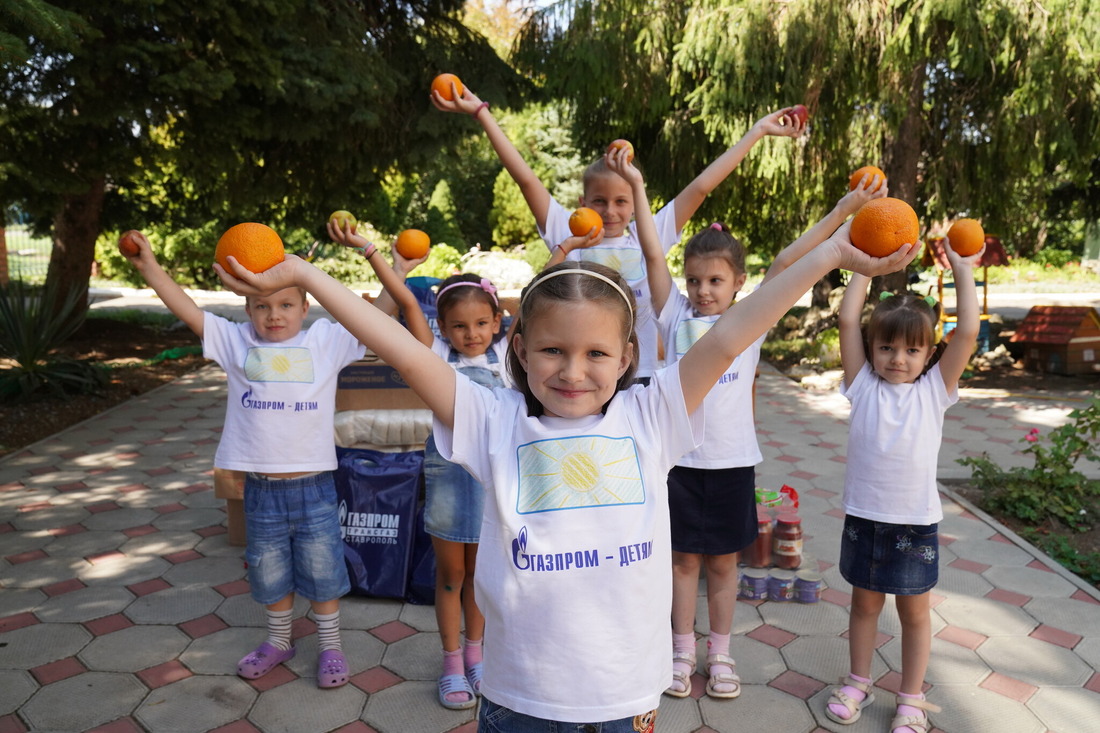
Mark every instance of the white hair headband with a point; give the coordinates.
(581, 271)
(484, 284)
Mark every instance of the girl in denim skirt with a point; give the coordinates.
(900, 383)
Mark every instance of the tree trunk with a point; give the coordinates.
(4, 275)
(75, 229)
(904, 166)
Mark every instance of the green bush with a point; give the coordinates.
(34, 321)
(1053, 487)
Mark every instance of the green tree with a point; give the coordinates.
(180, 112)
(980, 109)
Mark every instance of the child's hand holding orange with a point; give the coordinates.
(347, 235)
(133, 245)
(852, 201)
(466, 101)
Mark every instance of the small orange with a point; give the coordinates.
(966, 236)
(883, 225)
(256, 246)
(619, 144)
(442, 85)
(868, 170)
(412, 244)
(582, 220)
(127, 243)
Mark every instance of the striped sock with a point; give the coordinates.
(328, 630)
(278, 628)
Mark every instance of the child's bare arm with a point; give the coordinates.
(746, 320)
(534, 192)
(429, 376)
(691, 198)
(956, 354)
(850, 317)
(848, 204)
(169, 291)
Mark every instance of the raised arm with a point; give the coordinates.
(533, 190)
(752, 316)
(428, 375)
(691, 198)
(393, 284)
(169, 291)
(850, 316)
(848, 204)
(956, 355)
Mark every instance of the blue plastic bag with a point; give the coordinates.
(378, 495)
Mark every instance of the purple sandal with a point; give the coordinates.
(332, 668)
(262, 660)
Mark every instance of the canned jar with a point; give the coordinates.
(781, 585)
(753, 585)
(787, 544)
(759, 553)
(807, 586)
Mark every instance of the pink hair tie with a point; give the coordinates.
(485, 285)
(717, 226)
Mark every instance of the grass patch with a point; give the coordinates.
(152, 319)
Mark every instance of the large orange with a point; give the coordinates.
(966, 236)
(442, 84)
(412, 244)
(883, 225)
(867, 170)
(256, 246)
(582, 220)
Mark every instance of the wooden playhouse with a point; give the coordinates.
(1060, 339)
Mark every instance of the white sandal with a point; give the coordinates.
(919, 724)
(680, 677)
(722, 678)
(855, 707)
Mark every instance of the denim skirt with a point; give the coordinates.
(902, 559)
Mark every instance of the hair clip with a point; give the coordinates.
(930, 301)
(716, 225)
(886, 294)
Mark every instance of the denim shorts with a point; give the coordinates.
(902, 559)
(293, 538)
(712, 510)
(493, 718)
(453, 499)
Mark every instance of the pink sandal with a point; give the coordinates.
(262, 660)
(332, 669)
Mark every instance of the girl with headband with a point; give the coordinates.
(574, 562)
(900, 384)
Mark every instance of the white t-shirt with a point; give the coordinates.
(499, 349)
(894, 439)
(730, 437)
(574, 569)
(623, 254)
(282, 396)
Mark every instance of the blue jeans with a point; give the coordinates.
(494, 718)
(901, 559)
(293, 535)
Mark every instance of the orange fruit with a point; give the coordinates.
(883, 225)
(868, 170)
(343, 218)
(442, 84)
(412, 244)
(256, 246)
(966, 236)
(127, 243)
(619, 144)
(582, 220)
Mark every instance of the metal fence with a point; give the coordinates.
(28, 256)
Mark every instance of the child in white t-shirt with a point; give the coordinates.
(574, 561)
(281, 386)
(900, 383)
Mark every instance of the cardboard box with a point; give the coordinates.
(372, 384)
(234, 509)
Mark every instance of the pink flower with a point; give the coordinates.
(1032, 435)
